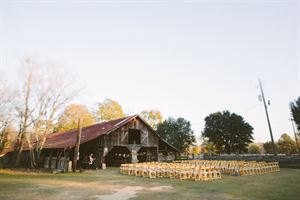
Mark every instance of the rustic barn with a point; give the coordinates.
(124, 140)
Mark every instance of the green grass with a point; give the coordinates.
(94, 184)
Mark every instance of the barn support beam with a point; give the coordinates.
(104, 153)
(98, 158)
(50, 160)
(76, 148)
(105, 150)
(148, 155)
(98, 152)
(157, 153)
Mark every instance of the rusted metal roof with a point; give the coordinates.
(68, 138)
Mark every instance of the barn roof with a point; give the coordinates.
(88, 133)
(68, 138)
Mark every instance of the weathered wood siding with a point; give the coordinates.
(119, 137)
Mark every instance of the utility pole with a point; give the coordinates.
(267, 115)
(296, 139)
(77, 145)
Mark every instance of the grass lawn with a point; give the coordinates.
(109, 184)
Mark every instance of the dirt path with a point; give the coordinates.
(130, 192)
(96, 190)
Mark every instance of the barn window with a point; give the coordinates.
(134, 136)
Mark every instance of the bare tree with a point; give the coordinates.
(44, 92)
(24, 108)
(6, 99)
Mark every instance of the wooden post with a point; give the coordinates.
(147, 155)
(76, 148)
(58, 159)
(157, 152)
(66, 160)
(104, 151)
(50, 160)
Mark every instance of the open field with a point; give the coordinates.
(109, 184)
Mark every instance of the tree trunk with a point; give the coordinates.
(19, 149)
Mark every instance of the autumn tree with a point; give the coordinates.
(286, 145)
(68, 120)
(195, 150)
(208, 148)
(177, 132)
(43, 92)
(228, 132)
(254, 149)
(152, 117)
(109, 110)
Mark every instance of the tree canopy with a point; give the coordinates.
(295, 109)
(208, 148)
(286, 145)
(254, 149)
(69, 118)
(177, 132)
(196, 150)
(153, 117)
(228, 132)
(109, 110)
(268, 147)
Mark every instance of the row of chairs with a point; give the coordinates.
(182, 171)
(240, 168)
(251, 168)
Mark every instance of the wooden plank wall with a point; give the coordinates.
(120, 136)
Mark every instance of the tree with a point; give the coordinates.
(177, 132)
(195, 150)
(286, 145)
(44, 91)
(295, 110)
(208, 148)
(109, 110)
(153, 117)
(228, 132)
(3, 139)
(7, 137)
(68, 120)
(268, 147)
(254, 149)
(6, 115)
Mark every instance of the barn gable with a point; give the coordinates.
(137, 136)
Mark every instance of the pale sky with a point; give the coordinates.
(184, 58)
